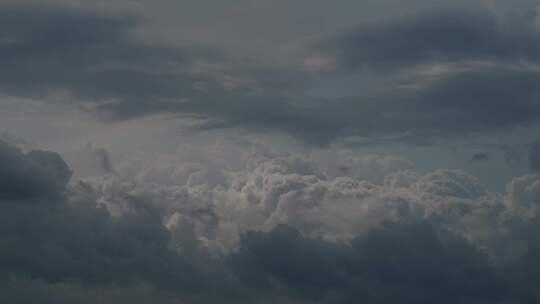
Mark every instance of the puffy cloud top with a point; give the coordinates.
(450, 183)
(32, 175)
(280, 230)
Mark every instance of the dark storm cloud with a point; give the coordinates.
(473, 102)
(34, 230)
(94, 60)
(526, 274)
(434, 36)
(485, 100)
(396, 263)
(92, 56)
(47, 51)
(480, 156)
(70, 239)
(31, 175)
(72, 248)
(490, 84)
(487, 78)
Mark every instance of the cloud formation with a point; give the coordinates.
(32, 175)
(278, 230)
(438, 36)
(346, 218)
(443, 67)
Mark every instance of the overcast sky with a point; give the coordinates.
(257, 151)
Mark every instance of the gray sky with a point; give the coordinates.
(252, 151)
(453, 75)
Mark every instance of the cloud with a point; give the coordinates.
(102, 157)
(31, 175)
(534, 157)
(279, 230)
(449, 74)
(449, 183)
(363, 167)
(90, 161)
(454, 74)
(71, 234)
(527, 153)
(81, 55)
(524, 192)
(483, 100)
(437, 36)
(480, 156)
(229, 224)
(15, 141)
(403, 262)
(94, 60)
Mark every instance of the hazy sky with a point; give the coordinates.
(257, 151)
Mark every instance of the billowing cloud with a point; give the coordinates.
(405, 262)
(358, 215)
(31, 175)
(278, 230)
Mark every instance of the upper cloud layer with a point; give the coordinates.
(450, 74)
(438, 36)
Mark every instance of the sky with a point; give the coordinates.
(257, 151)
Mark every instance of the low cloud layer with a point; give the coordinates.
(276, 229)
